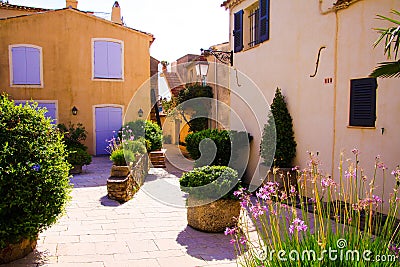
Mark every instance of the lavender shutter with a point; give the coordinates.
(100, 59)
(114, 60)
(19, 65)
(32, 65)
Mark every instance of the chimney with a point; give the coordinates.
(72, 3)
(116, 13)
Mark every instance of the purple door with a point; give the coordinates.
(108, 122)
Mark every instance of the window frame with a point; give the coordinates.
(11, 71)
(55, 102)
(94, 78)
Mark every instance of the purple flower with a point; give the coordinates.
(243, 240)
(297, 225)
(350, 174)
(232, 241)
(377, 199)
(327, 182)
(36, 167)
(355, 151)
(230, 231)
(256, 210)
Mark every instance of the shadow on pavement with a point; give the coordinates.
(105, 201)
(206, 246)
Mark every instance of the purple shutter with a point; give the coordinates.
(238, 31)
(114, 60)
(19, 65)
(100, 59)
(32, 65)
(263, 28)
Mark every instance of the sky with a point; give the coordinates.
(180, 26)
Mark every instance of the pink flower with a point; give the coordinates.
(355, 151)
(230, 231)
(297, 225)
(243, 240)
(256, 210)
(232, 241)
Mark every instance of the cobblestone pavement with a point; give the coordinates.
(96, 231)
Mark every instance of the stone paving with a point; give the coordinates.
(96, 231)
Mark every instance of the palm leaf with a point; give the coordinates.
(387, 70)
(391, 36)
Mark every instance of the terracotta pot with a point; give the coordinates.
(215, 216)
(17, 251)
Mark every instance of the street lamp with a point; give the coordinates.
(201, 70)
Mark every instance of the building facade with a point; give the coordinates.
(320, 54)
(69, 59)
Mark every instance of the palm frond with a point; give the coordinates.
(387, 70)
(391, 36)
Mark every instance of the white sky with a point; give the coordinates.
(179, 26)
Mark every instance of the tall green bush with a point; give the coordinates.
(279, 128)
(74, 136)
(224, 140)
(34, 180)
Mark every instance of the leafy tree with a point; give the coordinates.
(391, 36)
(279, 128)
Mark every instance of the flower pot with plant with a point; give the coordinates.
(211, 204)
(279, 131)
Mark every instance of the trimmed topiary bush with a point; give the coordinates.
(34, 180)
(143, 128)
(224, 141)
(210, 182)
(280, 128)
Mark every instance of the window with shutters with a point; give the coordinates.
(25, 65)
(108, 59)
(251, 25)
(363, 102)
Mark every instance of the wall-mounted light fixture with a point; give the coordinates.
(140, 113)
(74, 111)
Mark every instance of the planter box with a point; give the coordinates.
(124, 181)
(215, 216)
(17, 251)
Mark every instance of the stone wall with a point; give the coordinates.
(124, 182)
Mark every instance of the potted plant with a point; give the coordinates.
(74, 136)
(34, 182)
(279, 129)
(211, 204)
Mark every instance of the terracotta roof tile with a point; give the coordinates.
(24, 8)
(174, 82)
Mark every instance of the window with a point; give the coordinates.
(254, 20)
(25, 65)
(256, 25)
(50, 105)
(107, 59)
(363, 102)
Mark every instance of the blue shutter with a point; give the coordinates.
(238, 31)
(114, 60)
(19, 65)
(100, 59)
(32, 65)
(264, 20)
(363, 102)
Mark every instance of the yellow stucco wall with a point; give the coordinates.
(65, 37)
(320, 111)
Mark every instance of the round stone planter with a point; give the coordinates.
(17, 251)
(215, 216)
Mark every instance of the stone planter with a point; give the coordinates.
(119, 171)
(76, 169)
(215, 216)
(17, 251)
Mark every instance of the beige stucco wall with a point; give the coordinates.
(320, 111)
(66, 40)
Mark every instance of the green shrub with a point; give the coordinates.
(78, 156)
(73, 138)
(135, 146)
(121, 157)
(210, 182)
(34, 180)
(224, 141)
(279, 129)
(143, 128)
